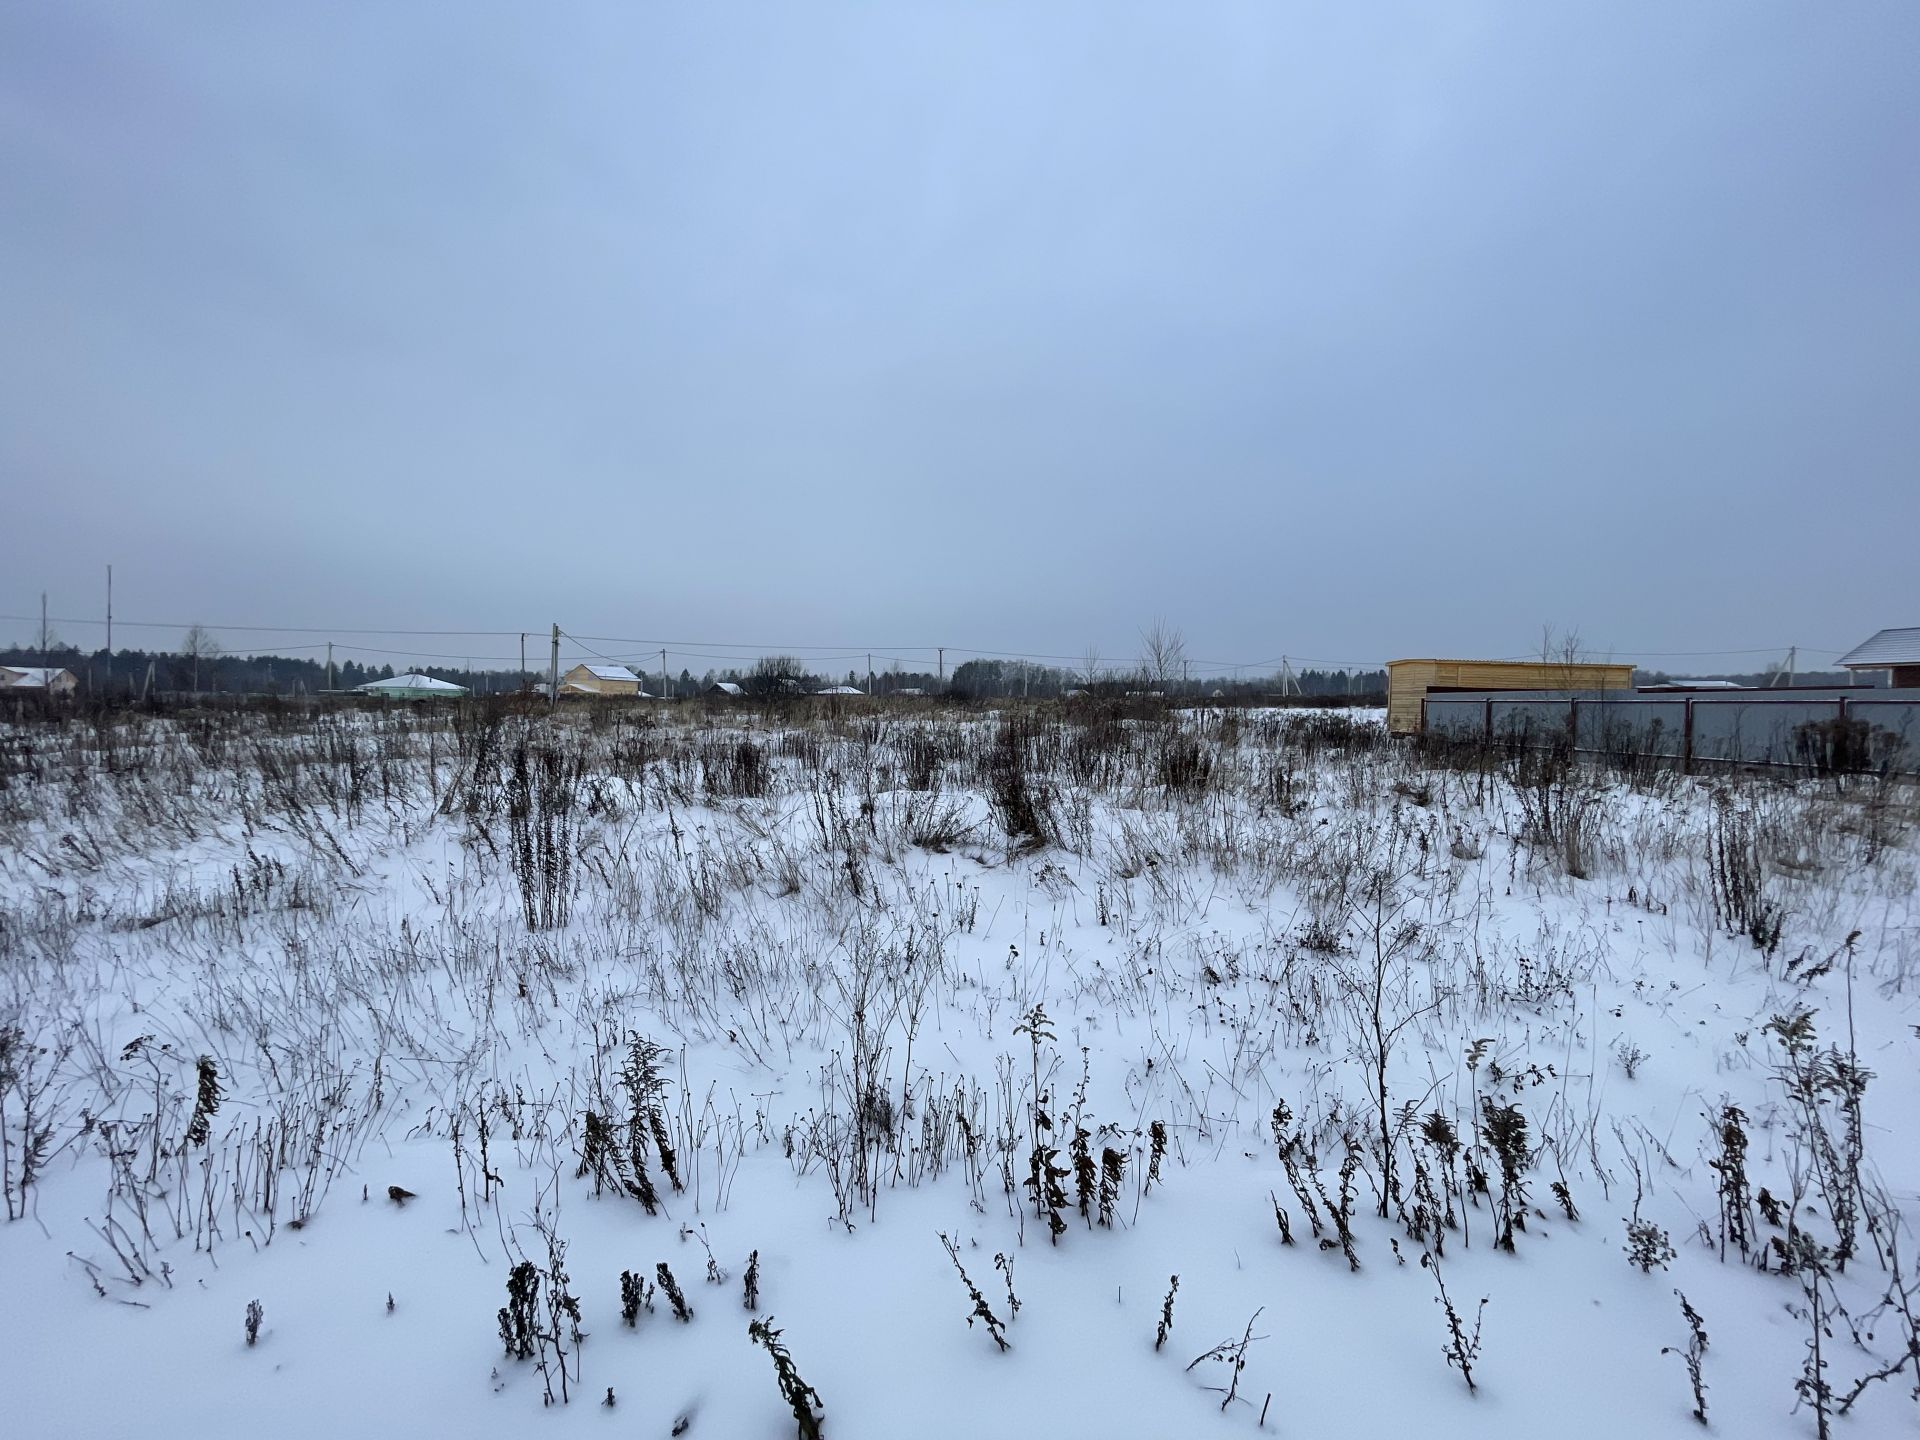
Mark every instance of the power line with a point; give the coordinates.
(254, 629)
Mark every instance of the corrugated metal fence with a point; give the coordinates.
(1820, 731)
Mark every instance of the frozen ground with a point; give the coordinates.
(881, 961)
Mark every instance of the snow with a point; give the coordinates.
(358, 949)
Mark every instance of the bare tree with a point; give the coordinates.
(775, 675)
(1090, 666)
(1163, 652)
(196, 645)
(1377, 982)
(1564, 648)
(1561, 647)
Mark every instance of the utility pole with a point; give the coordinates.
(1793, 663)
(44, 642)
(329, 665)
(663, 673)
(523, 657)
(943, 665)
(109, 686)
(869, 674)
(553, 671)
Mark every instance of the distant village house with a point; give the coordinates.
(413, 686)
(37, 680)
(602, 680)
(1896, 651)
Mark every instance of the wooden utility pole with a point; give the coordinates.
(109, 686)
(523, 657)
(943, 664)
(553, 670)
(665, 684)
(869, 674)
(329, 665)
(45, 642)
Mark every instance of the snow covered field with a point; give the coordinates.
(354, 1014)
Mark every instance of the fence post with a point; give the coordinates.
(1486, 724)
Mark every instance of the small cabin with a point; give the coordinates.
(1408, 681)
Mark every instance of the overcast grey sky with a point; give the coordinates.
(1346, 331)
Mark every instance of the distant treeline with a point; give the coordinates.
(213, 671)
(162, 671)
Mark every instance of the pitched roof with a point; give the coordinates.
(608, 672)
(1897, 646)
(33, 677)
(414, 682)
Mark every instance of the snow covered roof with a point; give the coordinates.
(840, 690)
(725, 687)
(32, 677)
(1897, 646)
(413, 682)
(609, 672)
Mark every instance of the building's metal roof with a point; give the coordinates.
(33, 677)
(609, 672)
(1517, 664)
(1897, 646)
(414, 681)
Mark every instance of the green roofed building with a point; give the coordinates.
(413, 687)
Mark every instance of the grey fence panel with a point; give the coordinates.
(1741, 728)
(1529, 719)
(1762, 732)
(1456, 719)
(1894, 733)
(1632, 727)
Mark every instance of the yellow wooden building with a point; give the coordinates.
(601, 680)
(1408, 681)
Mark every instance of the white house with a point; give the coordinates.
(413, 687)
(40, 679)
